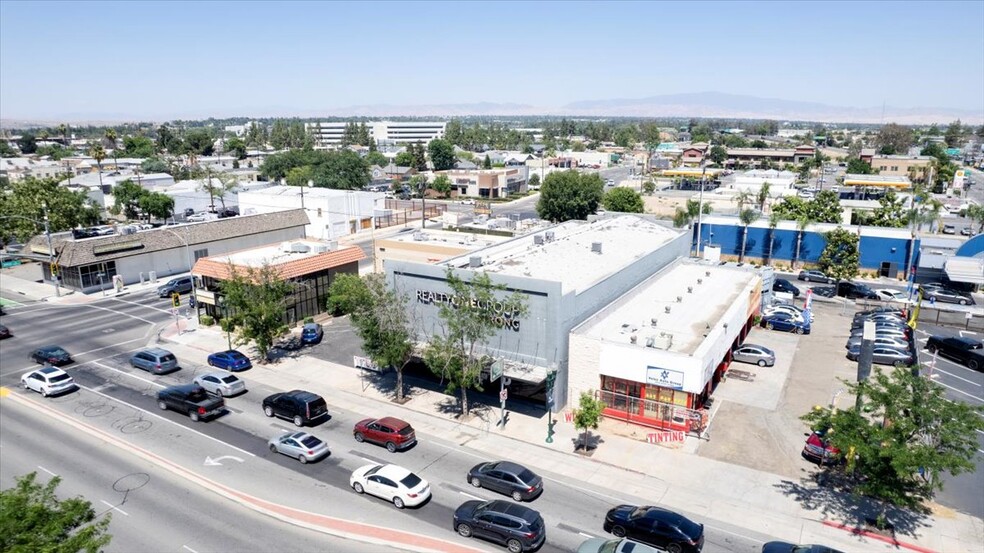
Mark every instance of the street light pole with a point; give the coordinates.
(51, 253)
(194, 293)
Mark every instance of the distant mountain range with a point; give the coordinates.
(701, 104)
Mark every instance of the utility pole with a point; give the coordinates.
(700, 203)
(51, 253)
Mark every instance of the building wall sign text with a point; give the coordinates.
(498, 311)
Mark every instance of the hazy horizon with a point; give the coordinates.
(160, 61)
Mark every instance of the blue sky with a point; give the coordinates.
(174, 59)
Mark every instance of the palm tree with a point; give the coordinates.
(975, 213)
(801, 225)
(110, 135)
(774, 219)
(209, 187)
(746, 217)
(227, 183)
(63, 130)
(742, 198)
(98, 153)
(763, 195)
(932, 213)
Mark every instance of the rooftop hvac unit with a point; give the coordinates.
(690, 289)
(333, 245)
(550, 235)
(707, 273)
(663, 341)
(700, 281)
(650, 341)
(299, 247)
(679, 299)
(633, 339)
(475, 261)
(653, 321)
(321, 248)
(538, 239)
(667, 309)
(596, 247)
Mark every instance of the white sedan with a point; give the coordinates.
(48, 381)
(887, 294)
(392, 483)
(793, 311)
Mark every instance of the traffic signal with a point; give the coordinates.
(175, 299)
(54, 269)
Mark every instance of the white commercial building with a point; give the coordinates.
(19, 168)
(332, 213)
(654, 354)
(384, 132)
(780, 182)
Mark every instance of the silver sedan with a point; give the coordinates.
(221, 384)
(754, 354)
(300, 445)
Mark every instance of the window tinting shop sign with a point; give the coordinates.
(664, 377)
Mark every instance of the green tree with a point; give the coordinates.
(419, 154)
(6, 150)
(587, 416)
(126, 198)
(802, 223)
(840, 256)
(199, 142)
(256, 303)
(454, 133)
(566, 195)
(342, 170)
(296, 134)
(825, 208)
(27, 143)
(156, 204)
(441, 154)
(954, 134)
(300, 176)
(718, 154)
(743, 198)
(110, 137)
(403, 159)
(759, 144)
(22, 207)
(237, 147)
(623, 200)
(279, 135)
(381, 317)
(890, 212)
(32, 518)
(376, 158)
(894, 139)
(458, 355)
(746, 217)
(903, 435)
(774, 219)
(137, 146)
(442, 185)
(763, 195)
(857, 167)
(649, 187)
(534, 181)
(168, 142)
(155, 165)
(975, 213)
(487, 162)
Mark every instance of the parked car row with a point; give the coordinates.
(893, 342)
(787, 318)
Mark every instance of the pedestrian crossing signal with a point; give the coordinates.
(176, 299)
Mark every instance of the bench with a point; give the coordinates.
(741, 375)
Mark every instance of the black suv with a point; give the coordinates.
(853, 290)
(191, 399)
(783, 285)
(297, 405)
(656, 527)
(509, 478)
(517, 527)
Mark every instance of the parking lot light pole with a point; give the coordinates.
(51, 251)
(194, 293)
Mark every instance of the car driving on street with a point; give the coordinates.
(516, 526)
(392, 483)
(48, 381)
(221, 384)
(52, 355)
(300, 445)
(655, 526)
(508, 478)
(230, 360)
(390, 432)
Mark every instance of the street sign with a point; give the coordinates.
(495, 371)
(503, 394)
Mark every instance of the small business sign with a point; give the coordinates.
(483, 208)
(117, 247)
(664, 378)
(665, 437)
(365, 363)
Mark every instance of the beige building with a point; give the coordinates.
(916, 168)
(488, 183)
(431, 246)
(757, 156)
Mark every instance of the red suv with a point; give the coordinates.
(391, 432)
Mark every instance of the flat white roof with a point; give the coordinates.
(274, 254)
(449, 238)
(688, 320)
(568, 258)
(309, 191)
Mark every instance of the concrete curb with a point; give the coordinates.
(892, 541)
(305, 519)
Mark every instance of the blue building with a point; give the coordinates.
(885, 250)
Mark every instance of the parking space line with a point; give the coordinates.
(189, 549)
(960, 391)
(939, 370)
(155, 415)
(466, 494)
(46, 470)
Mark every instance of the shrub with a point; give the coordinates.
(308, 320)
(206, 320)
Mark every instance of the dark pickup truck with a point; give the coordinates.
(963, 350)
(192, 400)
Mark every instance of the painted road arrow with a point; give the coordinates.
(210, 462)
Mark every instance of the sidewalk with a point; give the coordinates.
(797, 511)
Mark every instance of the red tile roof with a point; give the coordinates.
(218, 268)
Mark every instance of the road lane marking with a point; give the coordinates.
(121, 313)
(586, 535)
(46, 470)
(743, 536)
(155, 415)
(151, 382)
(114, 507)
(32, 367)
(143, 305)
(189, 549)
(466, 494)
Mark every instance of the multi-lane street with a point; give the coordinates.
(120, 401)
